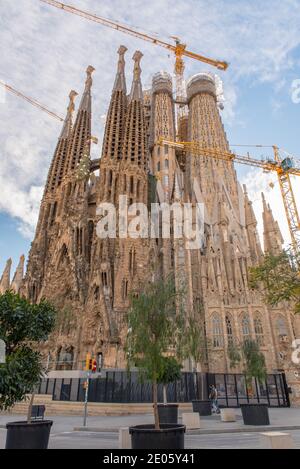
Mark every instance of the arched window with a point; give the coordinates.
(125, 289)
(104, 279)
(132, 261)
(217, 331)
(246, 327)
(259, 331)
(281, 326)
(158, 166)
(166, 164)
(229, 330)
(131, 185)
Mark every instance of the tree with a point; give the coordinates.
(170, 372)
(197, 346)
(252, 359)
(22, 327)
(156, 329)
(279, 277)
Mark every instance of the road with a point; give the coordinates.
(109, 440)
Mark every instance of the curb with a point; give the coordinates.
(245, 429)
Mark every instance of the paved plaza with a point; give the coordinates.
(102, 432)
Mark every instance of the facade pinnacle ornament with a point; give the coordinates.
(273, 239)
(120, 82)
(67, 128)
(89, 79)
(18, 277)
(136, 89)
(5, 279)
(85, 104)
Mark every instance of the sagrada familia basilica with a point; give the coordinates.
(89, 279)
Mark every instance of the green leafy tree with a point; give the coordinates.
(197, 345)
(170, 372)
(22, 327)
(279, 278)
(156, 329)
(252, 359)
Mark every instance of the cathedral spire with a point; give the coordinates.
(251, 229)
(136, 88)
(81, 134)
(134, 148)
(67, 128)
(5, 279)
(273, 239)
(115, 122)
(57, 167)
(120, 81)
(18, 277)
(86, 99)
(250, 217)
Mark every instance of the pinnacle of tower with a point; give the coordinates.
(120, 81)
(5, 279)
(250, 217)
(136, 89)
(67, 127)
(273, 239)
(265, 208)
(18, 277)
(85, 104)
(80, 141)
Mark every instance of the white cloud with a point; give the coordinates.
(46, 52)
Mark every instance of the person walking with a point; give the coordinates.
(213, 396)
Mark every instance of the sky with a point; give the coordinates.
(45, 52)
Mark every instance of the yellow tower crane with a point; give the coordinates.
(283, 167)
(32, 101)
(179, 48)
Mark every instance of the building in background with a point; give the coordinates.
(89, 279)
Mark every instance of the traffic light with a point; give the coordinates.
(88, 362)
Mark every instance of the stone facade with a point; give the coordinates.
(89, 279)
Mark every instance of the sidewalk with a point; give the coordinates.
(280, 419)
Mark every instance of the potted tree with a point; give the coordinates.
(168, 413)
(253, 363)
(197, 350)
(155, 328)
(22, 327)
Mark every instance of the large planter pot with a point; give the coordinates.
(255, 414)
(23, 435)
(203, 407)
(170, 436)
(168, 413)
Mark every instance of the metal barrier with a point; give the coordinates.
(124, 387)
